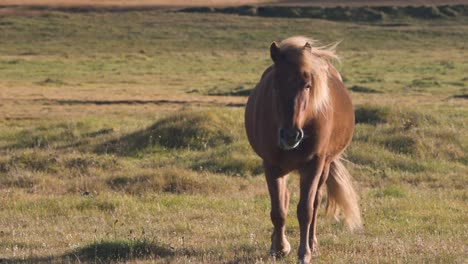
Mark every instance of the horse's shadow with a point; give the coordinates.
(105, 252)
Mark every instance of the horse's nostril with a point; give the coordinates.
(291, 135)
(299, 134)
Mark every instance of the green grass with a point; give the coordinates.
(122, 138)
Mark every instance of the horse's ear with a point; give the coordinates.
(275, 52)
(307, 46)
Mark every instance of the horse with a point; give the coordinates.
(300, 117)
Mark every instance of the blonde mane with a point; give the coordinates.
(319, 60)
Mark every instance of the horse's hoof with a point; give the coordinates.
(315, 247)
(304, 256)
(280, 253)
(315, 251)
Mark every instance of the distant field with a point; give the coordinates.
(132, 2)
(230, 2)
(121, 138)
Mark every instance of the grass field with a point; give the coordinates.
(121, 138)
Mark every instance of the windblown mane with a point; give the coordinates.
(318, 60)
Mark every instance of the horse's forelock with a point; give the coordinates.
(317, 59)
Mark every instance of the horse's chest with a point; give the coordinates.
(295, 158)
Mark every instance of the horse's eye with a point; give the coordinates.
(308, 86)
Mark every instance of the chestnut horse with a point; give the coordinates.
(300, 117)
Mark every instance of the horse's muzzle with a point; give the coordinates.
(290, 138)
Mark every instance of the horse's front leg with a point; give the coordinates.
(279, 196)
(318, 200)
(310, 178)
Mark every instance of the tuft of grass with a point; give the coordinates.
(54, 135)
(195, 129)
(209, 139)
(52, 82)
(19, 179)
(96, 204)
(86, 163)
(121, 250)
(395, 116)
(35, 161)
(242, 90)
(236, 160)
(169, 180)
(406, 144)
(425, 83)
(185, 129)
(404, 140)
(370, 114)
(378, 158)
(363, 89)
(461, 96)
(391, 191)
(50, 162)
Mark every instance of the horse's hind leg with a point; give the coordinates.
(318, 200)
(276, 180)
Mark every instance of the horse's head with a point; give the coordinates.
(298, 88)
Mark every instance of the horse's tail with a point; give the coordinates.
(341, 195)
